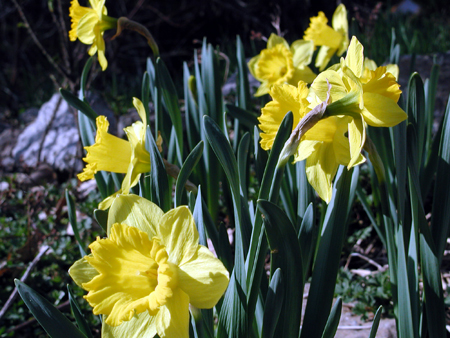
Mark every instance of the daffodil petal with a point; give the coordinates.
(82, 272)
(320, 86)
(263, 89)
(321, 167)
(356, 138)
(141, 325)
(100, 43)
(304, 74)
(302, 51)
(380, 111)
(305, 148)
(383, 83)
(274, 40)
(355, 57)
(141, 110)
(324, 56)
(172, 320)
(340, 24)
(204, 278)
(85, 28)
(106, 203)
(135, 211)
(179, 234)
(252, 64)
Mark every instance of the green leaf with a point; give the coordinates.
(404, 319)
(186, 169)
(286, 255)
(162, 192)
(416, 110)
(81, 322)
(306, 237)
(71, 210)
(243, 88)
(245, 117)
(224, 153)
(440, 220)
(258, 243)
(53, 321)
(169, 94)
(333, 320)
(78, 104)
(101, 216)
(273, 305)
(375, 323)
(327, 260)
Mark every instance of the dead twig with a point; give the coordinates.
(13, 295)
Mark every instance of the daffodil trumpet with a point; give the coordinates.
(125, 23)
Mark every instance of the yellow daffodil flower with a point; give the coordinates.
(331, 39)
(370, 97)
(279, 63)
(111, 153)
(144, 275)
(370, 65)
(324, 146)
(89, 24)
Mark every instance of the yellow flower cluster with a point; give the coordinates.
(355, 97)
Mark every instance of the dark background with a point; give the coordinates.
(28, 79)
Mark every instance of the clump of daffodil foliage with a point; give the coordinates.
(166, 266)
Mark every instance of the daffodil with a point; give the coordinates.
(144, 275)
(111, 153)
(369, 97)
(89, 24)
(279, 63)
(370, 65)
(325, 146)
(331, 39)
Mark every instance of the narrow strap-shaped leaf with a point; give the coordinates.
(327, 259)
(145, 94)
(333, 319)
(375, 323)
(78, 104)
(404, 318)
(243, 88)
(81, 322)
(440, 220)
(258, 243)
(416, 110)
(188, 165)
(286, 255)
(306, 237)
(53, 321)
(169, 93)
(273, 305)
(160, 184)
(245, 117)
(71, 210)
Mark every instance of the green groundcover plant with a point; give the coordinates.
(284, 175)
